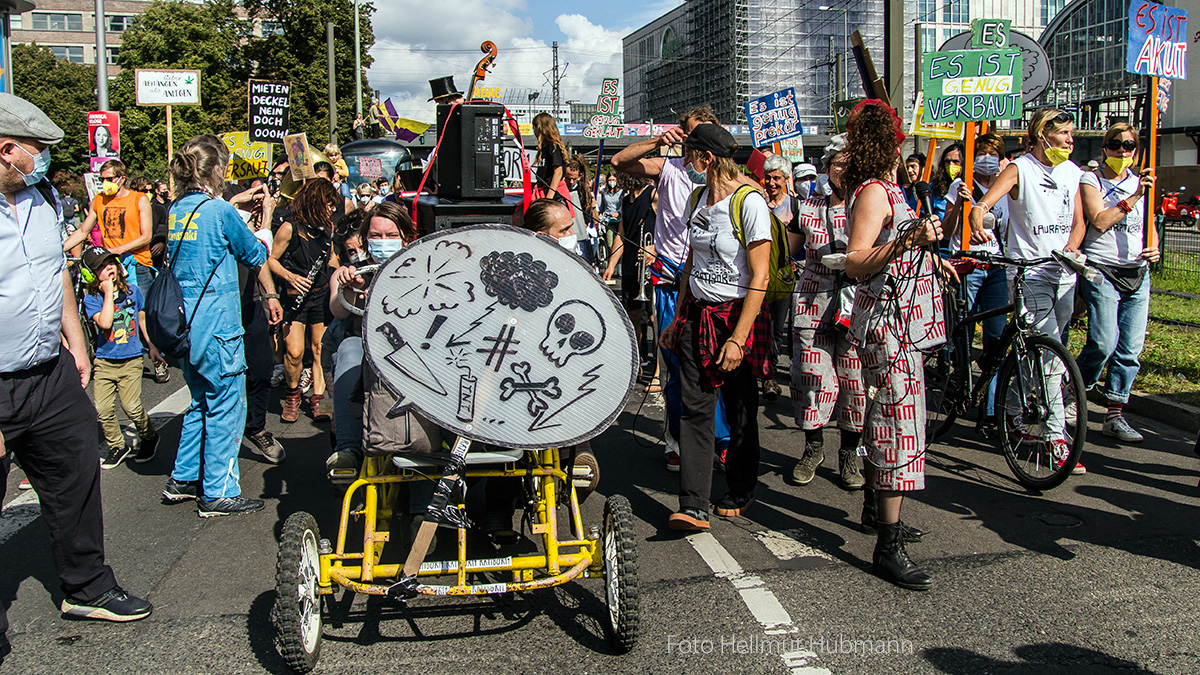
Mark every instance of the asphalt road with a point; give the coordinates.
(1098, 576)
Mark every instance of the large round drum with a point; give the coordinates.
(502, 336)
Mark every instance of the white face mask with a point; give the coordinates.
(569, 242)
(612, 185)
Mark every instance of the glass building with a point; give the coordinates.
(1086, 45)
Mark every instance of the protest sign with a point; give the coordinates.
(841, 113)
(792, 150)
(773, 117)
(299, 157)
(268, 108)
(977, 84)
(1158, 40)
(167, 87)
(370, 167)
(567, 359)
(989, 33)
(948, 130)
(246, 159)
(104, 137)
(606, 123)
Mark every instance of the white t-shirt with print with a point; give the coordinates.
(671, 226)
(1040, 218)
(1000, 211)
(1121, 244)
(720, 270)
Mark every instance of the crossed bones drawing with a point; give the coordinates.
(536, 390)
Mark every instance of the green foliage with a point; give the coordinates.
(210, 37)
(65, 92)
(299, 56)
(207, 37)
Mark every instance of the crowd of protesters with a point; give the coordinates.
(267, 286)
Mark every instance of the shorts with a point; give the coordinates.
(314, 309)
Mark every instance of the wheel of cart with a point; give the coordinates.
(310, 568)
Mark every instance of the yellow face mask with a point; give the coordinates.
(1119, 164)
(1056, 155)
(110, 188)
(953, 170)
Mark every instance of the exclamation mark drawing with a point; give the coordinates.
(437, 323)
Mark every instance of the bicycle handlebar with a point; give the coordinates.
(993, 259)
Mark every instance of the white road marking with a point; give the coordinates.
(788, 544)
(24, 508)
(18, 513)
(761, 602)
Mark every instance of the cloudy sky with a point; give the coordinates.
(417, 40)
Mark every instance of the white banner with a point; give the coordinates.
(167, 87)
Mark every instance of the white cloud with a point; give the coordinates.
(418, 41)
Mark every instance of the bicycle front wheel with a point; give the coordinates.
(1043, 410)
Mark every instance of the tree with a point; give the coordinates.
(63, 90)
(298, 55)
(208, 37)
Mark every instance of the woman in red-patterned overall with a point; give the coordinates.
(897, 312)
(826, 373)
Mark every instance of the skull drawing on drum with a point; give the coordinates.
(574, 328)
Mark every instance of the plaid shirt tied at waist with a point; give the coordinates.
(720, 319)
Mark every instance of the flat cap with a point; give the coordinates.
(21, 119)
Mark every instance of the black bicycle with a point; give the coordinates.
(1040, 404)
(90, 334)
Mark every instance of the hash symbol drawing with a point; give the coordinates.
(500, 346)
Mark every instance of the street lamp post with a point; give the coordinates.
(101, 60)
(357, 64)
(845, 49)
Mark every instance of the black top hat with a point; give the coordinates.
(442, 87)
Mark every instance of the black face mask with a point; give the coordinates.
(339, 210)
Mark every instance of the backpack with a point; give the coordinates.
(782, 281)
(166, 320)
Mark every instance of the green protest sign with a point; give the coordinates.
(989, 33)
(976, 84)
(841, 112)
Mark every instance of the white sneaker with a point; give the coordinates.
(1118, 428)
(1070, 412)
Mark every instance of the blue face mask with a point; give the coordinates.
(697, 177)
(383, 249)
(41, 163)
(987, 165)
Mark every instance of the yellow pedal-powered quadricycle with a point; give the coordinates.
(498, 336)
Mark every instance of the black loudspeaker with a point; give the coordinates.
(471, 158)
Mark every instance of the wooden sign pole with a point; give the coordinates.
(968, 174)
(170, 152)
(1149, 231)
(927, 172)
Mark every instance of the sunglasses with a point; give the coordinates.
(1116, 145)
(1062, 118)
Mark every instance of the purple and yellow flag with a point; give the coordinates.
(402, 128)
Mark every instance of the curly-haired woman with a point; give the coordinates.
(897, 312)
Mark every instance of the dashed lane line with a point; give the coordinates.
(762, 603)
(24, 508)
(779, 632)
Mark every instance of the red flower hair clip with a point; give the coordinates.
(879, 102)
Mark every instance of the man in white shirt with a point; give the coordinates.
(675, 181)
(46, 418)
